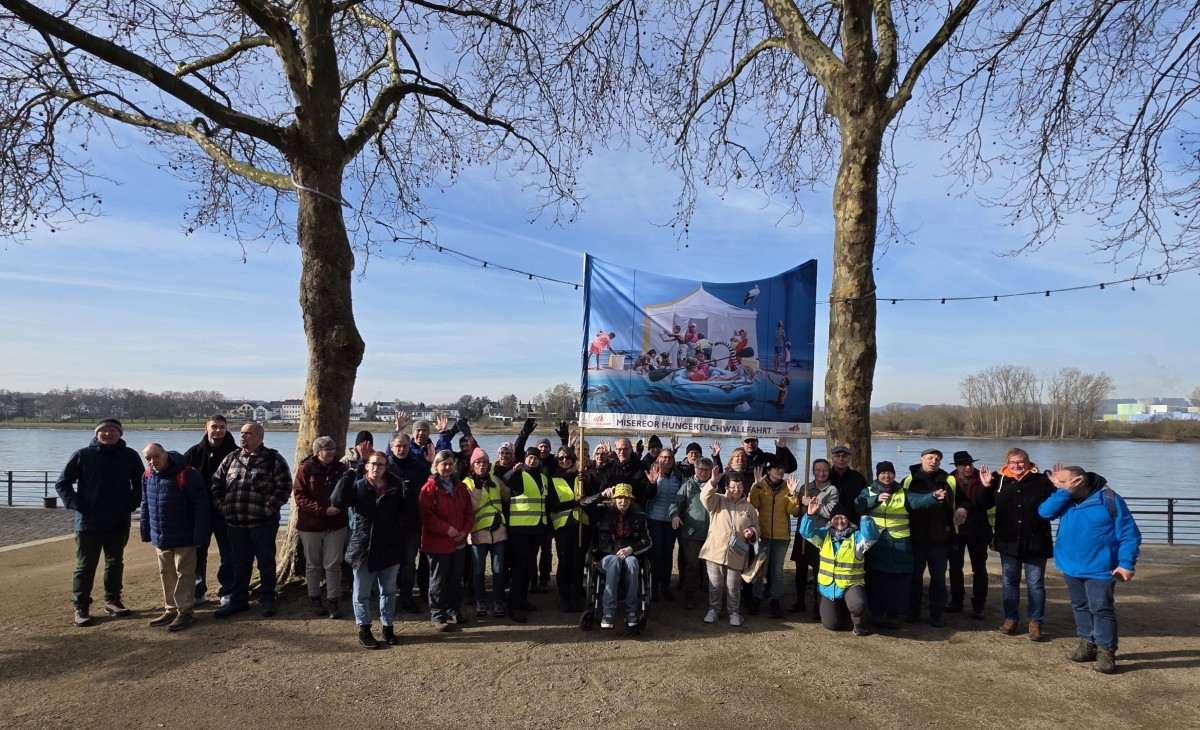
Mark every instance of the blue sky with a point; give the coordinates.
(129, 301)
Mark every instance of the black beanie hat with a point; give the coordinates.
(884, 466)
(654, 442)
(363, 436)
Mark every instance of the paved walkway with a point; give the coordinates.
(20, 525)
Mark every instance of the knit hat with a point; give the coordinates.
(505, 445)
(654, 442)
(623, 490)
(364, 437)
(110, 422)
(478, 454)
(694, 446)
(534, 453)
(543, 441)
(883, 466)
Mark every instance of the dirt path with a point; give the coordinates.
(248, 672)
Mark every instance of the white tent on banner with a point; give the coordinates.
(718, 320)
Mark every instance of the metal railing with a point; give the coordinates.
(1162, 520)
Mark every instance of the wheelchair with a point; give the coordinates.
(594, 598)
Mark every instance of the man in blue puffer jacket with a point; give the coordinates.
(1098, 543)
(175, 519)
(100, 482)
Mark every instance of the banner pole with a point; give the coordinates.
(807, 464)
(579, 483)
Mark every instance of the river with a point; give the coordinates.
(1133, 468)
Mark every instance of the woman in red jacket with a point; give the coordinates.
(447, 515)
(322, 526)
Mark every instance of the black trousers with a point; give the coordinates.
(977, 549)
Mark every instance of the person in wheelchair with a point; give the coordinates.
(621, 537)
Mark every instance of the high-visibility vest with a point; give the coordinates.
(892, 516)
(566, 494)
(490, 503)
(528, 507)
(840, 568)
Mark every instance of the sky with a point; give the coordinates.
(129, 301)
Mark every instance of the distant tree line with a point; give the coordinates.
(1013, 400)
(85, 403)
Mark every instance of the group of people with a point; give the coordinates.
(423, 515)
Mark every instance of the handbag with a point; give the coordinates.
(736, 543)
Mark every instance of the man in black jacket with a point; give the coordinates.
(932, 536)
(849, 482)
(411, 472)
(205, 457)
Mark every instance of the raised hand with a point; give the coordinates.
(653, 474)
(812, 506)
(793, 483)
(402, 421)
(430, 451)
(781, 443)
(758, 474)
(529, 425)
(715, 448)
(442, 422)
(717, 474)
(675, 443)
(985, 475)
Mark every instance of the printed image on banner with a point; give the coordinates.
(668, 354)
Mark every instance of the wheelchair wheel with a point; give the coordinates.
(587, 620)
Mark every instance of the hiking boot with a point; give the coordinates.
(712, 616)
(480, 610)
(366, 638)
(228, 609)
(114, 607)
(606, 621)
(1106, 660)
(83, 616)
(266, 607)
(977, 611)
(955, 607)
(1009, 628)
(167, 617)
(1035, 630)
(1085, 652)
(735, 619)
(937, 622)
(389, 635)
(776, 609)
(182, 621)
(498, 610)
(797, 607)
(316, 605)
(861, 631)
(335, 612)
(517, 615)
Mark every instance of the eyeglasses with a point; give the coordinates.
(1020, 462)
(380, 464)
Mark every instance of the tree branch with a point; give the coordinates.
(716, 88)
(183, 69)
(935, 44)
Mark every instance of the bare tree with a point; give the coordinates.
(277, 111)
(777, 94)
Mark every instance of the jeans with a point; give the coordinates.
(777, 552)
(977, 548)
(1010, 571)
(220, 533)
(176, 566)
(662, 553)
(250, 545)
(613, 567)
(323, 554)
(936, 557)
(408, 564)
(445, 584)
(1093, 601)
(480, 553)
(364, 580)
(88, 545)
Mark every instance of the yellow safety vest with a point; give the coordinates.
(528, 507)
(490, 505)
(566, 494)
(842, 568)
(892, 515)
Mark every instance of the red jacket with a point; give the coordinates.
(440, 511)
(313, 491)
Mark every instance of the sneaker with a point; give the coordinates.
(167, 617)
(1035, 630)
(83, 617)
(1106, 660)
(389, 635)
(316, 605)
(335, 612)
(115, 607)
(480, 610)
(861, 631)
(1085, 652)
(776, 609)
(267, 607)
(937, 622)
(498, 610)
(632, 619)
(735, 619)
(606, 621)
(228, 609)
(458, 617)
(366, 638)
(1009, 628)
(442, 625)
(182, 621)
(224, 600)
(712, 616)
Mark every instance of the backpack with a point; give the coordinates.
(1110, 501)
(180, 476)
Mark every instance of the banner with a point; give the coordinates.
(673, 355)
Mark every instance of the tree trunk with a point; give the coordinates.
(335, 348)
(850, 371)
